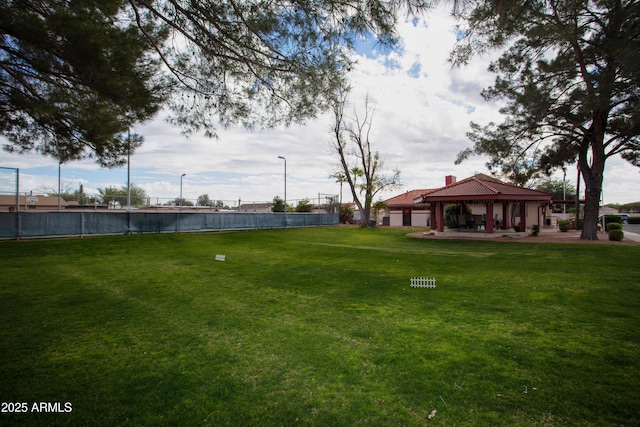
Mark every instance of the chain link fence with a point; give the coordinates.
(323, 203)
(32, 224)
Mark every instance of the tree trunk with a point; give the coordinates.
(591, 208)
(365, 213)
(365, 216)
(578, 201)
(593, 174)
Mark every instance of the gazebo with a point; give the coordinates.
(490, 198)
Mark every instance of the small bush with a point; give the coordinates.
(535, 230)
(634, 220)
(616, 235)
(346, 214)
(614, 226)
(304, 206)
(564, 225)
(608, 219)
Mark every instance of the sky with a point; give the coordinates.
(422, 110)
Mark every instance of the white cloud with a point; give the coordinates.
(423, 110)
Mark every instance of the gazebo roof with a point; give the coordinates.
(481, 187)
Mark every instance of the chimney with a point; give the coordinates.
(449, 179)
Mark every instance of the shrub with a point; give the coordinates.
(278, 205)
(304, 206)
(564, 225)
(346, 214)
(611, 218)
(634, 220)
(535, 230)
(616, 235)
(614, 226)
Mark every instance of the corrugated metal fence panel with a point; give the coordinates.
(8, 225)
(104, 223)
(153, 222)
(34, 224)
(79, 223)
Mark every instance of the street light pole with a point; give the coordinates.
(129, 170)
(181, 176)
(285, 190)
(59, 163)
(564, 192)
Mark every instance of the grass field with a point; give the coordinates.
(318, 327)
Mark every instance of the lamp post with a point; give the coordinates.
(181, 176)
(59, 166)
(285, 190)
(564, 192)
(129, 170)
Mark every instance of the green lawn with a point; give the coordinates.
(319, 327)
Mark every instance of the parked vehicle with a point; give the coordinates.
(624, 218)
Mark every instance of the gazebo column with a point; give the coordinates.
(506, 216)
(489, 218)
(440, 216)
(432, 216)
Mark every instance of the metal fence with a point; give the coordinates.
(25, 224)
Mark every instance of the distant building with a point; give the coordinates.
(256, 207)
(402, 210)
(34, 202)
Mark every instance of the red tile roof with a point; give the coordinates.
(407, 199)
(483, 187)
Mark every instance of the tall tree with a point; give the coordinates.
(204, 200)
(278, 204)
(340, 179)
(113, 196)
(304, 205)
(74, 75)
(560, 190)
(359, 164)
(570, 78)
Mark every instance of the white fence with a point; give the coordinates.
(423, 282)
